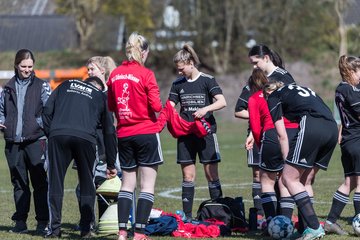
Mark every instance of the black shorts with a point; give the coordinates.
(140, 150)
(350, 157)
(253, 156)
(190, 145)
(314, 143)
(271, 159)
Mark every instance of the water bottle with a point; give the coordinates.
(181, 214)
(253, 219)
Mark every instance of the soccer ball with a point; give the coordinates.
(356, 224)
(280, 227)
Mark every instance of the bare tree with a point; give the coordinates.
(340, 8)
(84, 12)
(221, 56)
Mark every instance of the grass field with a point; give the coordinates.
(234, 173)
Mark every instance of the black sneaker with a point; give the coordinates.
(20, 227)
(41, 228)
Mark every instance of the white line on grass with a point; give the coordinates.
(169, 193)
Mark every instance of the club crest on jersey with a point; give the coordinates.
(123, 102)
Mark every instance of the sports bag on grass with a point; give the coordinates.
(226, 209)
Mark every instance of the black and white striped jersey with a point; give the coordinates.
(347, 99)
(281, 75)
(293, 102)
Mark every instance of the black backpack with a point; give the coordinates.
(228, 210)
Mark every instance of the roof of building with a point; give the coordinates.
(33, 24)
(39, 33)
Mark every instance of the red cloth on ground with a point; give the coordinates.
(178, 126)
(189, 230)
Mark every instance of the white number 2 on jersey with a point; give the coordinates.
(302, 91)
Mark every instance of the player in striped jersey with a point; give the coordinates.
(269, 61)
(309, 151)
(199, 96)
(347, 99)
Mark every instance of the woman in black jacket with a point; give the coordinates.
(21, 105)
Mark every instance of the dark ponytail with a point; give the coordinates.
(262, 50)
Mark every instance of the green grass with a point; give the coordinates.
(234, 173)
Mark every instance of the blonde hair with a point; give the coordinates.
(272, 86)
(186, 55)
(107, 63)
(347, 64)
(135, 46)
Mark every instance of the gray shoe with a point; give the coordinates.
(20, 227)
(334, 228)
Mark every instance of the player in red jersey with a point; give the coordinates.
(271, 161)
(253, 158)
(134, 96)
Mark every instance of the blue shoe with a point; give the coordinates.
(311, 234)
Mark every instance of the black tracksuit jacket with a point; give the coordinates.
(76, 109)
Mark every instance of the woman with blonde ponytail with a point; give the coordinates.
(347, 97)
(199, 95)
(134, 97)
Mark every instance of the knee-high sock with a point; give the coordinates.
(188, 191)
(215, 189)
(356, 200)
(124, 206)
(305, 206)
(287, 206)
(145, 203)
(256, 194)
(338, 203)
(269, 204)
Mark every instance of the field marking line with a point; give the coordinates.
(169, 193)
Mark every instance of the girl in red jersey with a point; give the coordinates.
(271, 161)
(199, 95)
(134, 96)
(253, 157)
